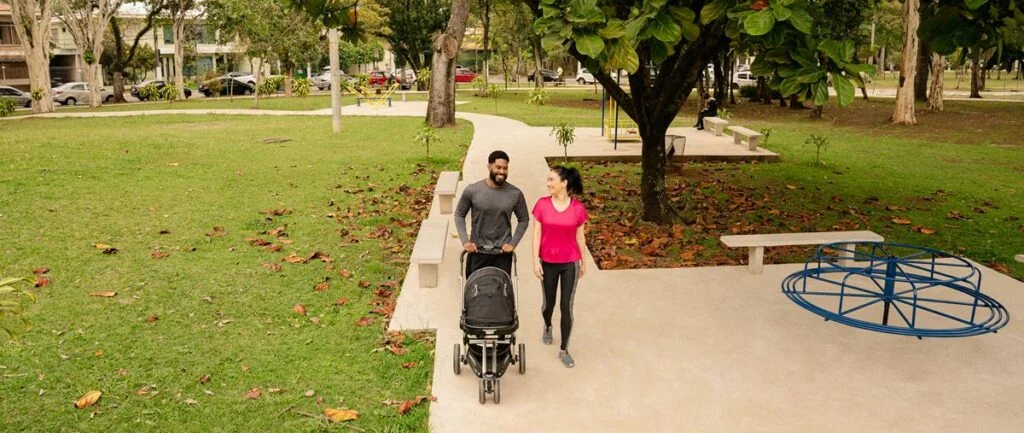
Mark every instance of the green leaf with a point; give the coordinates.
(781, 12)
(820, 90)
(589, 44)
(801, 20)
(974, 4)
(762, 67)
(809, 74)
(686, 17)
(713, 11)
(615, 29)
(844, 90)
(849, 50)
(660, 51)
(666, 29)
(732, 30)
(856, 80)
(787, 71)
(635, 26)
(790, 86)
(759, 23)
(551, 41)
(622, 55)
(860, 68)
(584, 12)
(832, 48)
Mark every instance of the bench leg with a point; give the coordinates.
(737, 139)
(846, 255)
(753, 142)
(389, 102)
(755, 259)
(445, 203)
(357, 102)
(428, 275)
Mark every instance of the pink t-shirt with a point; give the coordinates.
(558, 230)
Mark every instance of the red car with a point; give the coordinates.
(464, 76)
(378, 78)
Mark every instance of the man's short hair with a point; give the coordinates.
(496, 155)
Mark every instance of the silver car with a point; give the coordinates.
(73, 93)
(21, 98)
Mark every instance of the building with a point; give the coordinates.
(13, 70)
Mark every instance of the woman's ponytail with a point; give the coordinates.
(574, 182)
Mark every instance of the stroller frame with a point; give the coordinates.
(489, 340)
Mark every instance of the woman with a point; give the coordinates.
(558, 240)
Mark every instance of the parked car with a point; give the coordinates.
(547, 74)
(463, 75)
(159, 84)
(405, 78)
(73, 93)
(378, 78)
(583, 76)
(21, 98)
(245, 77)
(232, 85)
(743, 78)
(323, 81)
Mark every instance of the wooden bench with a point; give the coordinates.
(740, 133)
(362, 98)
(757, 243)
(428, 253)
(715, 125)
(445, 190)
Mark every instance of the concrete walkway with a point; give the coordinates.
(712, 349)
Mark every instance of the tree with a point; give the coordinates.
(677, 40)
(32, 24)
(87, 20)
(118, 59)
(938, 68)
(904, 114)
(441, 103)
(182, 11)
(412, 24)
(511, 43)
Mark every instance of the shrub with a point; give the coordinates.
(270, 85)
(538, 96)
(820, 143)
(362, 81)
(564, 134)
(423, 77)
(425, 137)
(169, 92)
(301, 87)
(481, 86)
(766, 133)
(7, 106)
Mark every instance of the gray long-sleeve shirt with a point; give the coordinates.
(492, 210)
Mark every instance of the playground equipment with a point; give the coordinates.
(933, 293)
(371, 96)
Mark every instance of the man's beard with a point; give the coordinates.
(494, 178)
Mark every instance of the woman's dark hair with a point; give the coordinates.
(574, 183)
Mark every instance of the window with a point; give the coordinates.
(205, 35)
(168, 35)
(79, 87)
(8, 92)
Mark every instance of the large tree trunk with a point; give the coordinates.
(720, 79)
(34, 33)
(924, 61)
(656, 205)
(118, 87)
(332, 44)
(538, 80)
(975, 76)
(289, 73)
(935, 95)
(904, 114)
(94, 82)
(441, 105)
(179, 54)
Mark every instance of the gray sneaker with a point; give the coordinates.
(566, 359)
(547, 335)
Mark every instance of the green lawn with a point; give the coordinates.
(197, 188)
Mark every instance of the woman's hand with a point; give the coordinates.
(583, 268)
(538, 271)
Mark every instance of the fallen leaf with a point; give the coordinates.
(144, 390)
(340, 415)
(173, 164)
(309, 393)
(41, 271)
(245, 368)
(285, 241)
(276, 390)
(122, 372)
(341, 301)
(42, 281)
(104, 294)
(320, 255)
(272, 266)
(383, 293)
(406, 406)
(204, 378)
(345, 273)
(218, 231)
(158, 254)
(927, 231)
(258, 242)
(409, 364)
(164, 232)
(366, 321)
(299, 309)
(90, 398)
(322, 287)
(98, 354)
(901, 221)
(191, 402)
(253, 394)
(396, 350)
(955, 215)
(107, 249)
(790, 187)
(292, 258)
(276, 212)
(364, 284)
(895, 208)
(152, 318)
(276, 232)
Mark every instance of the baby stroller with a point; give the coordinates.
(489, 320)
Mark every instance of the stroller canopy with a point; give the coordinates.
(489, 299)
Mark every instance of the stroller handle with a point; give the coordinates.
(462, 264)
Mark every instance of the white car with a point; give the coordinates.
(743, 78)
(73, 93)
(244, 77)
(323, 81)
(583, 76)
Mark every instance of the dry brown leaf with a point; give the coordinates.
(292, 258)
(345, 273)
(927, 231)
(276, 390)
(253, 394)
(104, 294)
(299, 309)
(245, 368)
(364, 284)
(285, 241)
(276, 232)
(320, 255)
(143, 391)
(98, 354)
(309, 393)
(322, 287)
(791, 187)
(42, 281)
(341, 301)
(276, 212)
(204, 378)
(341, 415)
(272, 266)
(397, 350)
(107, 249)
(191, 401)
(122, 372)
(173, 164)
(366, 321)
(409, 364)
(218, 231)
(90, 398)
(901, 221)
(383, 293)
(158, 255)
(998, 267)
(152, 318)
(41, 270)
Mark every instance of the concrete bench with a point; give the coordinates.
(715, 125)
(1019, 258)
(360, 99)
(428, 253)
(757, 243)
(445, 190)
(740, 133)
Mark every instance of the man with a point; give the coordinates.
(492, 202)
(710, 111)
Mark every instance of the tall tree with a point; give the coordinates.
(904, 114)
(678, 39)
(119, 59)
(938, 69)
(87, 21)
(32, 24)
(182, 12)
(511, 43)
(446, 45)
(412, 24)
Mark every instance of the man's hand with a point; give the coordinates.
(469, 247)
(507, 248)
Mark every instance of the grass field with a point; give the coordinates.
(202, 213)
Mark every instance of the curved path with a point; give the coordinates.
(712, 349)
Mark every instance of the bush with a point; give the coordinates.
(538, 96)
(7, 106)
(301, 87)
(749, 92)
(425, 137)
(766, 134)
(169, 92)
(820, 142)
(149, 92)
(270, 85)
(423, 76)
(362, 81)
(564, 134)
(481, 86)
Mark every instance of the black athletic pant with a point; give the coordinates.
(482, 260)
(568, 274)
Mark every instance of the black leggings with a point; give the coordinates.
(568, 273)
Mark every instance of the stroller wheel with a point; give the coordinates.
(483, 393)
(457, 363)
(497, 391)
(522, 358)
